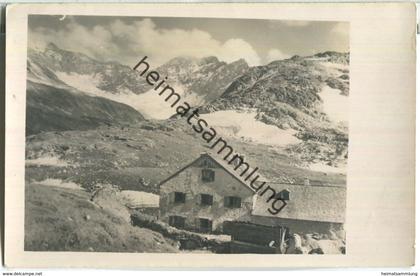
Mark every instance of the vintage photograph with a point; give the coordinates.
(186, 135)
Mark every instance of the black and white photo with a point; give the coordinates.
(186, 135)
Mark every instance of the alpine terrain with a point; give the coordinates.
(93, 124)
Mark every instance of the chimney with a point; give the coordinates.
(238, 160)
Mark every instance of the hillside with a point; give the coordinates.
(305, 94)
(139, 157)
(60, 219)
(283, 89)
(200, 81)
(93, 124)
(57, 109)
(281, 116)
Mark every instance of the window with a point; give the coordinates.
(232, 202)
(207, 175)
(207, 163)
(179, 197)
(206, 199)
(205, 225)
(177, 221)
(283, 195)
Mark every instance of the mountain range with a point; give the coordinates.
(200, 81)
(301, 100)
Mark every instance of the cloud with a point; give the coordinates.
(234, 49)
(127, 42)
(341, 29)
(276, 54)
(339, 36)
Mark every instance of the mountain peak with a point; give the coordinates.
(328, 53)
(52, 46)
(240, 61)
(336, 57)
(209, 59)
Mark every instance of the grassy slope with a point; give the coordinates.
(139, 157)
(55, 220)
(50, 108)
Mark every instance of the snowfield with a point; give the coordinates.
(59, 183)
(140, 199)
(150, 104)
(85, 83)
(52, 161)
(337, 66)
(154, 106)
(319, 167)
(240, 124)
(335, 105)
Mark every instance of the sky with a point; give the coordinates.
(128, 39)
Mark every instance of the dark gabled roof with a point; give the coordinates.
(221, 163)
(307, 202)
(178, 172)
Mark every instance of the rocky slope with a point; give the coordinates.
(111, 77)
(294, 94)
(205, 79)
(297, 82)
(290, 104)
(49, 108)
(198, 80)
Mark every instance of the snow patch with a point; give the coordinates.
(140, 199)
(59, 183)
(319, 167)
(37, 75)
(85, 83)
(338, 66)
(149, 104)
(243, 125)
(39, 80)
(154, 105)
(52, 161)
(335, 105)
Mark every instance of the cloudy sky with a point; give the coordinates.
(127, 39)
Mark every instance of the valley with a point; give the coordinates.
(91, 124)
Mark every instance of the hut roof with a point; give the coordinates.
(221, 163)
(307, 202)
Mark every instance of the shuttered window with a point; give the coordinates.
(179, 197)
(206, 199)
(207, 175)
(283, 195)
(177, 221)
(205, 225)
(232, 202)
